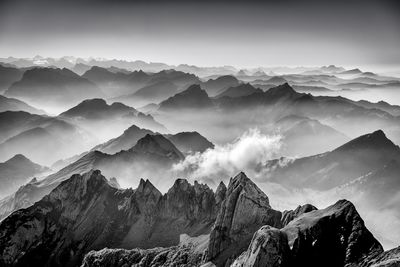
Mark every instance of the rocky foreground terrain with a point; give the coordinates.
(88, 221)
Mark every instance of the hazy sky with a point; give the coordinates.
(239, 33)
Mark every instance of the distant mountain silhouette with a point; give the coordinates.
(192, 98)
(9, 75)
(98, 108)
(16, 171)
(337, 167)
(303, 136)
(238, 91)
(152, 93)
(97, 111)
(35, 135)
(80, 68)
(218, 85)
(276, 80)
(53, 87)
(117, 84)
(351, 72)
(190, 142)
(12, 104)
(123, 142)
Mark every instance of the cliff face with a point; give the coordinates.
(86, 213)
(245, 209)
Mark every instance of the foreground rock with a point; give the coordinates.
(245, 209)
(333, 237)
(190, 225)
(337, 230)
(156, 257)
(390, 258)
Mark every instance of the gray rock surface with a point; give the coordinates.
(245, 209)
(269, 247)
(332, 237)
(290, 215)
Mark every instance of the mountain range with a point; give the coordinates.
(35, 135)
(315, 136)
(51, 87)
(104, 120)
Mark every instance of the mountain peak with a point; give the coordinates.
(245, 209)
(376, 140)
(240, 178)
(18, 159)
(221, 187)
(194, 88)
(157, 144)
(192, 97)
(146, 187)
(281, 90)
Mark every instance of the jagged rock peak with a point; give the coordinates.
(244, 210)
(146, 187)
(183, 185)
(220, 193)
(243, 182)
(221, 189)
(78, 185)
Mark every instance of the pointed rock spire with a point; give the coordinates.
(245, 209)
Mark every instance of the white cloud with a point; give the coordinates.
(246, 153)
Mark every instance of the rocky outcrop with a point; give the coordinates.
(86, 213)
(156, 257)
(390, 258)
(245, 209)
(220, 193)
(290, 215)
(333, 237)
(269, 247)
